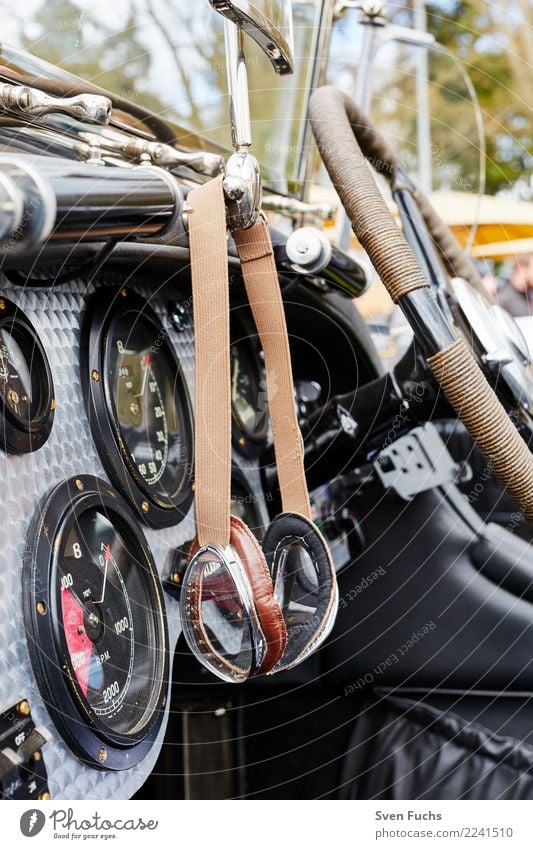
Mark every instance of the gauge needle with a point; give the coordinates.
(107, 556)
(145, 377)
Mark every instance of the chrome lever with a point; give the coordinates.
(27, 102)
(293, 206)
(159, 153)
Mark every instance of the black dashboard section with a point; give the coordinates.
(330, 343)
(431, 602)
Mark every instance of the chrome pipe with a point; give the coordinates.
(241, 128)
(77, 202)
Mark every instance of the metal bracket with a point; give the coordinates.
(347, 423)
(242, 190)
(416, 462)
(242, 183)
(254, 20)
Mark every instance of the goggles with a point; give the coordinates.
(247, 609)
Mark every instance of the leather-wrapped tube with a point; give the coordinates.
(334, 123)
(479, 408)
(371, 143)
(383, 159)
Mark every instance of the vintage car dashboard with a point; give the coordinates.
(98, 504)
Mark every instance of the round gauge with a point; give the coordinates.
(95, 623)
(26, 390)
(139, 406)
(249, 403)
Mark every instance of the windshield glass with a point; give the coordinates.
(170, 58)
(422, 101)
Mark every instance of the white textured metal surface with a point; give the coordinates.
(24, 480)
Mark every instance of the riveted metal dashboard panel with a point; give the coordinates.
(56, 314)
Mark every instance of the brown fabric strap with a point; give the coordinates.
(210, 289)
(479, 408)
(262, 287)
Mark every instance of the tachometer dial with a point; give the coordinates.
(139, 406)
(26, 391)
(96, 625)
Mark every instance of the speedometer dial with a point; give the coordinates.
(141, 383)
(96, 623)
(139, 405)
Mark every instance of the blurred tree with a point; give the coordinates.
(171, 58)
(76, 38)
(495, 41)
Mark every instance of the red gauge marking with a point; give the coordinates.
(78, 643)
(147, 360)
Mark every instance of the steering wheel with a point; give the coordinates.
(493, 335)
(346, 140)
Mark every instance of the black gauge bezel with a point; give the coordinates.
(87, 737)
(103, 311)
(249, 443)
(16, 435)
